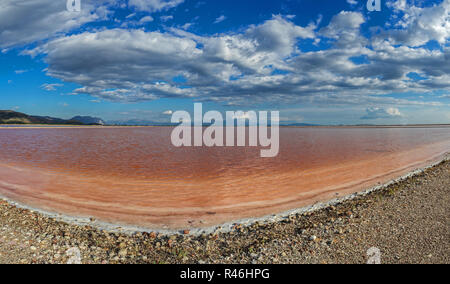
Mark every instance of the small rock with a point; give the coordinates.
(123, 253)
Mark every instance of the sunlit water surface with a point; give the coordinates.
(135, 176)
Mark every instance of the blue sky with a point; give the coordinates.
(316, 61)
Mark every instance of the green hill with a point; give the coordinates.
(13, 117)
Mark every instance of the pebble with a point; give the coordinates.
(123, 252)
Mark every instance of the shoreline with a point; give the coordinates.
(225, 227)
(322, 234)
(62, 126)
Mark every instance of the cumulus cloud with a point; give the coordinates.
(27, 21)
(154, 5)
(416, 26)
(378, 113)
(139, 65)
(262, 63)
(345, 29)
(342, 22)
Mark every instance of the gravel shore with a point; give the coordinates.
(408, 222)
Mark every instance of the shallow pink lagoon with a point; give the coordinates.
(134, 176)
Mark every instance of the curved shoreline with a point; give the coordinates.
(407, 221)
(225, 227)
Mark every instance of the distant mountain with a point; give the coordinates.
(88, 120)
(138, 122)
(300, 124)
(13, 117)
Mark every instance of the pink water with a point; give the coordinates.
(134, 176)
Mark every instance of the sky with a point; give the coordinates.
(315, 61)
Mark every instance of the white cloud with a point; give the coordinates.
(18, 72)
(146, 19)
(343, 22)
(25, 21)
(186, 26)
(133, 59)
(416, 26)
(166, 18)
(378, 113)
(51, 87)
(220, 19)
(279, 36)
(259, 64)
(154, 5)
(352, 2)
(168, 112)
(345, 29)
